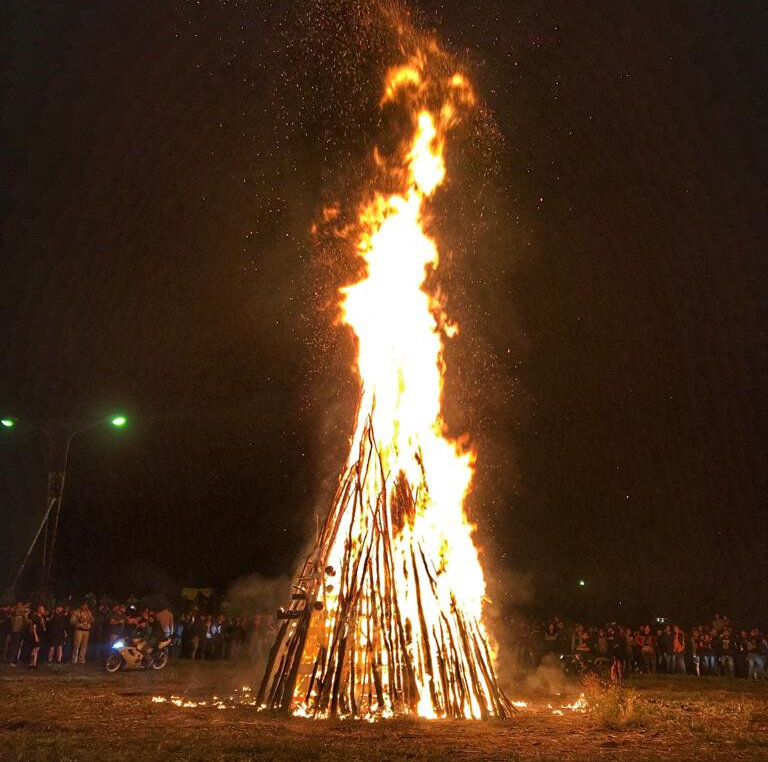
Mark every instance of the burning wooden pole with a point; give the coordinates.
(346, 648)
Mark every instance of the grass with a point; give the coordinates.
(615, 706)
(69, 714)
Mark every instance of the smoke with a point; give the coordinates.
(507, 591)
(548, 678)
(255, 594)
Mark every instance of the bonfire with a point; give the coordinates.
(385, 617)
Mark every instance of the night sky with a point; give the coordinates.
(603, 231)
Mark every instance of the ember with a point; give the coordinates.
(386, 614)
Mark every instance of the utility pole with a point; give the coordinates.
(59, 438)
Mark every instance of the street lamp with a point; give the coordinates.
(56, 482)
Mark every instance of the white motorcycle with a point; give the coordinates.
(125, 655)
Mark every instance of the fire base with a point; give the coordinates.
(372, 629)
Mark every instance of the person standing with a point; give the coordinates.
(81, 621)
(116, 624)
(629, 651)
(707, 653)
(19, 621)
(726, 649)
(693, 645)
(678, 651)
(756, 648)
(35, 631)
(56, 628)
(200, 634)
(648, 650)
(665, 649)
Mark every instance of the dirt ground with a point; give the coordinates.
(74, 714)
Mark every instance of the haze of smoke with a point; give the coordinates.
(507, 591)
(255, 594)
(548, 677)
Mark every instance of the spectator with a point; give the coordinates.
(707, 653)
(756, 649)
(81, 621)
(602, 643)
(35, 632)
(56, 629)
(740, 657)
(616, 647)
(666, 650)
(726, 650)
(200, 634)
(551, 639)
(19, 622)
(629, 651)
(678, 650)
(116, 624)
(648, 650)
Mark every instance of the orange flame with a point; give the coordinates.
(400, 330)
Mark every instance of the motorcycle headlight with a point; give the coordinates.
(118, 644)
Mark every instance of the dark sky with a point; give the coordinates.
(604, 238)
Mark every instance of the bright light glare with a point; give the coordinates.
(119, 420)
(9, 423)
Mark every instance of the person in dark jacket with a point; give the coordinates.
(35, 633)
(725, 649)
(56, 629)
(665, 649)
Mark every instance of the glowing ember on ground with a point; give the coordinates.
(580, 705)
(243, 697)
(238, 697)
(386, 615)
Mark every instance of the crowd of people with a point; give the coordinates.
(31, 634)
(716, 648)
(75, 633)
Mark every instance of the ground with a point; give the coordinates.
(74, 714)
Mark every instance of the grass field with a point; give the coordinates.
(74, 714)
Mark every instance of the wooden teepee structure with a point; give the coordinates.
(371, 630)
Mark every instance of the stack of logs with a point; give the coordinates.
(366, 634)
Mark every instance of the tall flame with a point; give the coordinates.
(400, 344)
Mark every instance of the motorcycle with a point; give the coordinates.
(125, 655)
(578, 664)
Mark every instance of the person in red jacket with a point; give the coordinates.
(678, 651)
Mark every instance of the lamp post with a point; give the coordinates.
(60, 444)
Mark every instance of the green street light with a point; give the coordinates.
(8, 423)
(118, 421)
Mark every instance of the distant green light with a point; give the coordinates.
(9, 423)
(119, 421)
(582, 583)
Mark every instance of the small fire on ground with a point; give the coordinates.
(238, 697)
(244, 697)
